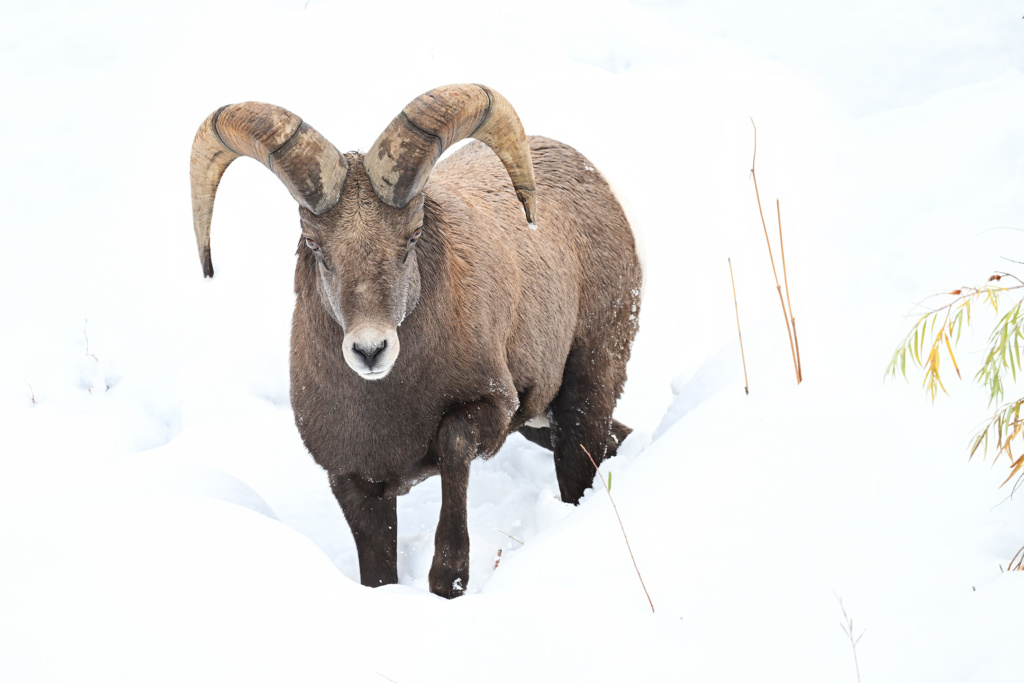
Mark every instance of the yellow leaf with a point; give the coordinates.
(952, 357)
(1016, 468)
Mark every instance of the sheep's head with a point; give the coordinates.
(360, 216)
(363, 252)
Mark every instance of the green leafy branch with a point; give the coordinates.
(1007, 425)
(1004, 353)
(935, 334)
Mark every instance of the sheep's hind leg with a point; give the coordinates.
(542, 436)
(581, 418)
(538, 435)
(373, 519)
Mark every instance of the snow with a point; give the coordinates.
(161, 520)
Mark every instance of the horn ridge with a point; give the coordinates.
(305, 162)
(287, 144)
(400, 160)
(213, 119)
(490, 102)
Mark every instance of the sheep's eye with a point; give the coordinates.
(416, 234)
(312, 244)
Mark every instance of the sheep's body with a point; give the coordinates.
(498, 324)
(500, 307)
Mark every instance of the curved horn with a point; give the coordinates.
(308, 165)
(399, 162)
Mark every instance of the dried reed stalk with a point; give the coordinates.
(621, 526)
(746, 383)
(785, 279)
(782, 302)
(1018, 557)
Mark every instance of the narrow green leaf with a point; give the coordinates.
(977, 441)
(1013, 363)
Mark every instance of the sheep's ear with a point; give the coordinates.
(401, 159)
(308, 165)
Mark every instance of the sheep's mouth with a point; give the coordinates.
(374, 374)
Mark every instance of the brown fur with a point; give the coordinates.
(497, 324)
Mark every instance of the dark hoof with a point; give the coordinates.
(448, 582)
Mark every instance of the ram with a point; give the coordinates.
(439, 309)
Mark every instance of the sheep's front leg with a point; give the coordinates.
(465, 430)
(373, 519)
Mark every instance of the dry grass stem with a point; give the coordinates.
(1017, 561)
(771, 257)
(847, 626)
(746, 382)
(789, 304)
(85, 333)
(510, 536)
(621, 525)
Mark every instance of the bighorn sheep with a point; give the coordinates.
(499, 325)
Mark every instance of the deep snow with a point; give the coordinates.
(160, 519)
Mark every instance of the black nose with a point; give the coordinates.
(370, 352)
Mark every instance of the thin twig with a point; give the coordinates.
(621, 525)
(85, 334)
(961, 294)
(746, 383)
(785, 279)
(1017, 484)
(847, 627)
(510, 536)
(497, 560)
(785, 317)
(1001, 275)
(1019, 557)
(31, 393)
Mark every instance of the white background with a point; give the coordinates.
(160, 519)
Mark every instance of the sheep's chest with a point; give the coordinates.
(365, 430)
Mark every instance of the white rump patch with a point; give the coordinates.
(538, 422)
(638, 237)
